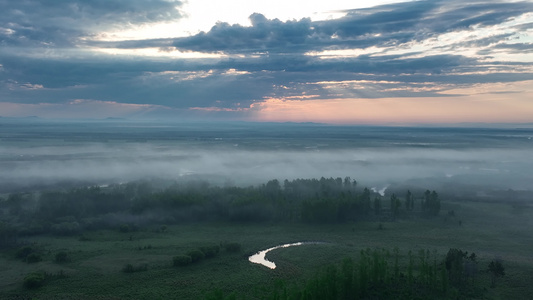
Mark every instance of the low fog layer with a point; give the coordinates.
(248, 156)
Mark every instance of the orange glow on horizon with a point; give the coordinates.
(492, 108)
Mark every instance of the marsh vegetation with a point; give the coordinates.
(192, 240)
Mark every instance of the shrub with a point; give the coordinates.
(181, 260)
(124, 228)
(232, 247)
(141, 268)
(34, 280)
(61, 257)
(8, 235)
(23, 252)
(33, 258)
(129, 268)
(196, 255)
(83, 238)
(66, 228)
(32, 229)
(60, 274)
(210, 251)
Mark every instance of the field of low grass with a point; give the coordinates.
(94, 269)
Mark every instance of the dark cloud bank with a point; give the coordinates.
(61, 23)
(49, 46)
(382, 26)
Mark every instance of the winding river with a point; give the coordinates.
(259, 257)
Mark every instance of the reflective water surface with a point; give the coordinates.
(259, 257)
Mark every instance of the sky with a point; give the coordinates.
(341, 62)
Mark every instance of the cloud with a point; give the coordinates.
(516, 47)
(61, 23)
(387, 25)
(225, 83)
(264, 35)
(53, 54)
(78, 108)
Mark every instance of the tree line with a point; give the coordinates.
(324, 200)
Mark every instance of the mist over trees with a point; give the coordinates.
(44, 155)
(324, 200)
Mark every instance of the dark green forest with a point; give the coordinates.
(324, 200)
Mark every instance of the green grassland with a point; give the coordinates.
(94, 268)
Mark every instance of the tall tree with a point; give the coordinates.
(496, 270)
(409, 202)
(394, 205)
(377, 205)
(365, 200)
